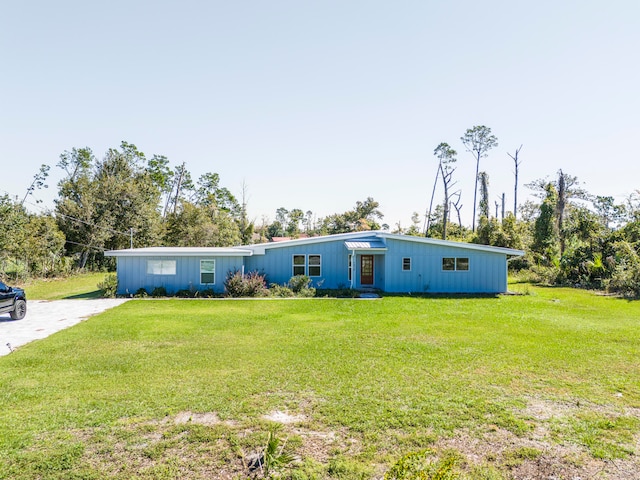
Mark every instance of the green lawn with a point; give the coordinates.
(77, 286)
(180, 388)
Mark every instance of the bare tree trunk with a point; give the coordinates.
(515, 188)
(475, 193)
(502, 218)
(562, 203)
(427, 220)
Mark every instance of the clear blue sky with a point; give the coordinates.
(316, 105)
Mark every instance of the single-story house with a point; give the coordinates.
(360, 260)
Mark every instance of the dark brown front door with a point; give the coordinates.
(366, 270)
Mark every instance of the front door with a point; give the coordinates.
(366, 270)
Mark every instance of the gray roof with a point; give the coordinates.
(369, 240)
(181, 252)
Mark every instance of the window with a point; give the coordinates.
(350, 267)
(460, 264)
(299, 265)
(448, 263)
(161, 267)
(207, 272)
(315, 266)
(406, 264)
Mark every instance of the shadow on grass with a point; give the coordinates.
(85, 296)
(442, 295)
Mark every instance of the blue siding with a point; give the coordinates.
(487, 271)
(132, 274)
(277, 263)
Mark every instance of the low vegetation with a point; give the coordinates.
(524, 386)
(80, 285)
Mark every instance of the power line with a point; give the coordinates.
(58, 214)
(99, 249)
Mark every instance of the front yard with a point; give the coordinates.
(514, 386)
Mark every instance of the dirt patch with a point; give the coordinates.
(209, 418)
(284, 418)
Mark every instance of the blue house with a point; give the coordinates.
(360, 260)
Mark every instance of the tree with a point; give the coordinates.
(516, 163)
(38, 182)
(484, 195)
(427, 218)
(101, 202)
(363, 217)
(478, 141)
(608, 211)
(545, 233)
(162, 177)
(447, 157)
(567, 190)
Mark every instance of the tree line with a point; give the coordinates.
(125, 199)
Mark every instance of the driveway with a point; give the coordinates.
(47, 317)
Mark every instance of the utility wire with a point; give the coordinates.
(75, 219)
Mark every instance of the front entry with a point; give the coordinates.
(366, 269)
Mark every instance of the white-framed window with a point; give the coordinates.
(207, 272)
(307, 265)
(406, 264)
(299, 265)
(455, 264)
(161, 267)
(350, 267)
(462, 263)
(315, 265)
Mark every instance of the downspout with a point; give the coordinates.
(353, 268)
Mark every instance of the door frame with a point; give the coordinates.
(364, 279)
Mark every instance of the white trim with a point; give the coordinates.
(260, 249)
(214, 271)
(180, 252)
(309, 264)
(402, 265)
(294, 265)
(160, 266)
(455, 264)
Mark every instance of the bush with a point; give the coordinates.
(109, 286)
(185, 293)
(301, 286)
(207, 293)
(277, 290)
(141, 293)
(251, 284)
(159, 292)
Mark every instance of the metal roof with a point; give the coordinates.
(365, 245)
(180, 252)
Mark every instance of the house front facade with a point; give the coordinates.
(360, 260)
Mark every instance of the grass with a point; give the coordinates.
(374, 381)
(77, 286)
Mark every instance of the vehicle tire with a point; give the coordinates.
(19, 310)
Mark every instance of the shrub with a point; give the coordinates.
(277, 290)
(184, 293)
(109, 286)
(252, 284)
(301, 286)
(207, 293)
(159, 292)
(141, 293)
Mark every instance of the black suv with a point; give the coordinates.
(13, 300)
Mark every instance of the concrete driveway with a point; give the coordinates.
(47, 317)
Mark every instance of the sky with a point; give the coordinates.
(317, 105)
